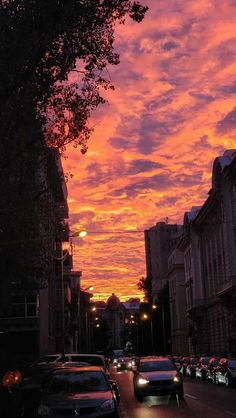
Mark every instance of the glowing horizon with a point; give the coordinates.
(151, 154)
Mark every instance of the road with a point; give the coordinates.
(202, 399)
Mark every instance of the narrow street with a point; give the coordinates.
(201, 399)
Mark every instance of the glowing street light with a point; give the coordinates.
(82, 233)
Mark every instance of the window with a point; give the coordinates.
(25, 306)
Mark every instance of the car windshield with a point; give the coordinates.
(118, 353)
(82, 382)
(153, 366)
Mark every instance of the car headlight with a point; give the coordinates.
(107, 406)
(130, 364)
(133, 363)
(142, 381)
(118, 364)
(115, 361)
(44, 410)
(176, 379)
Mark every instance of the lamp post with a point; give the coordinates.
(153, 307)
(83, 326)
(93, 309)
(62, 259)
(145, 317)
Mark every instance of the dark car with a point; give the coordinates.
(202, 367)
(83, 391)
(225, 373)
(116, 354)
(78, 358)
(157, 376)
(191, 367)
(211, 369)
(125, 363)
(34, 378)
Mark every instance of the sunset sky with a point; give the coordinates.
(150, 156)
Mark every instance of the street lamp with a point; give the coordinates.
(61, 259)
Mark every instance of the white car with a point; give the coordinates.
(90, 359)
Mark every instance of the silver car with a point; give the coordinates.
(83, 391)
(157, 376)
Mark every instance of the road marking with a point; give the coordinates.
(231, 413)
(190, 396)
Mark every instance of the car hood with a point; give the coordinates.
(74, 400)
(158, 375)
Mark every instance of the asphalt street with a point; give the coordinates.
(202, 399)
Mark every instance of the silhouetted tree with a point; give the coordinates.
(145, 284)
(54, 56)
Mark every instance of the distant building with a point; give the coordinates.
(177, 295)
(115, 314)
(158, 242)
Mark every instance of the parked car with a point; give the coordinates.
(92, 359)
(202, 367)
(33, 380)
(84, 391)
(191, 367)
(226, 372)
(211, 369)
(157, 376)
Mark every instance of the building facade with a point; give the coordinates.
(209, 249)
(158, 242)
(34, 229)
(177, 296)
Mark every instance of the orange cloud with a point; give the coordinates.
(153, 146)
